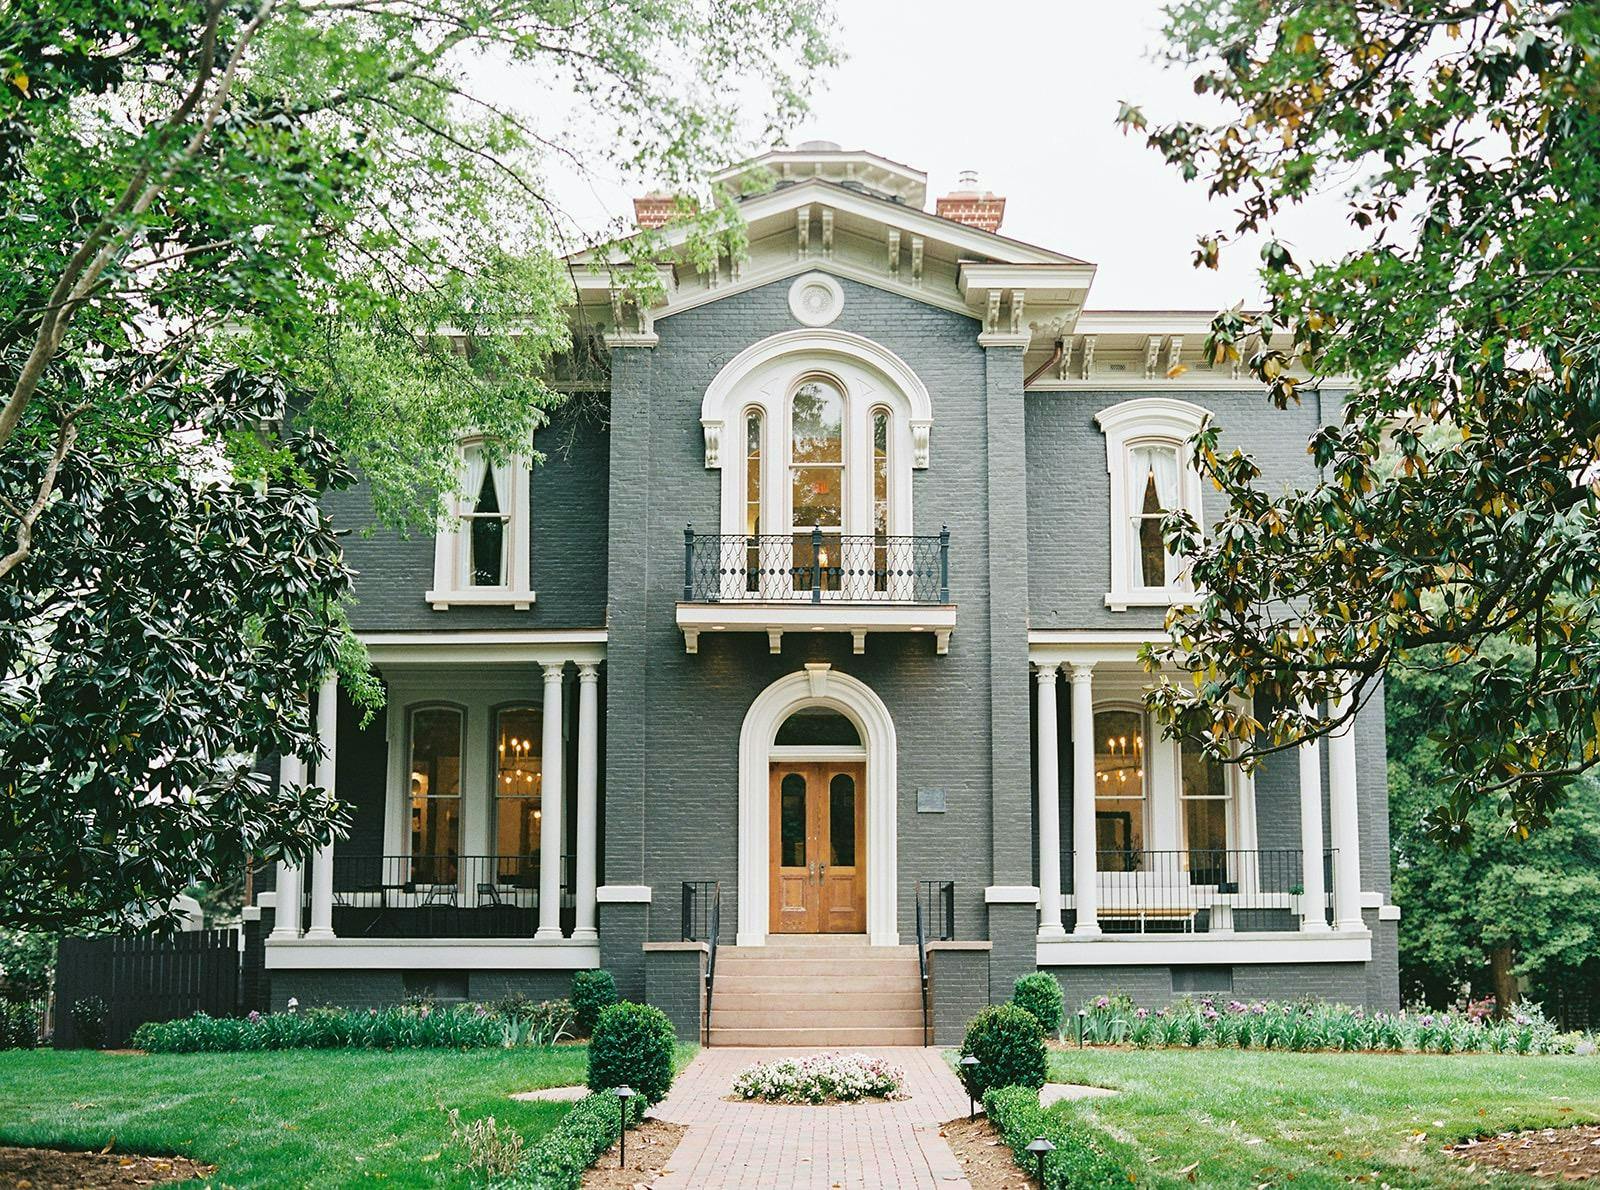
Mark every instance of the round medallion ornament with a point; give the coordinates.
(815, 299)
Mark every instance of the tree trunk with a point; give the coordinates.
(1504, 980)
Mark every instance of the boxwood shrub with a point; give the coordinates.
(1040, 994)
(1079, 1159)
(461, 1026)
(633, 1045)
(557, 1162)
(592, 993)
(1009, 1046)
(19, 1025)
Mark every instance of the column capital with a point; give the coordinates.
(1043, 671)
(1082, 672)
(553, 671)
(588, 671)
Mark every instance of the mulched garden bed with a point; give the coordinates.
(985, 1158)
(650, 1147)
(41, 1169)
(1570, 1153)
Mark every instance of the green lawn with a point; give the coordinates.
(1251, 1118)
(291, 1118)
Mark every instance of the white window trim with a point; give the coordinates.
(1142, 421)
(451, 545)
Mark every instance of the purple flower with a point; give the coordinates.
(1142, 1013)
(1427, 1021)
(1235, 1007)
(1102, 1002)
(254, 1017)
(1209, 1013)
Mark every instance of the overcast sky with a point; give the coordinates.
(1026, 92)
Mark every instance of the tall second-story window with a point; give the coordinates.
(1151, 477)
(481, 555)
(817, 475)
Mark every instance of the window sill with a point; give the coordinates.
(1121, 601)
(442, 601)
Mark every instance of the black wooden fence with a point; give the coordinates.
(146, 979)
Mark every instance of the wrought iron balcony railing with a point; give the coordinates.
(815, 566)
(439, 896)
(1198, 890)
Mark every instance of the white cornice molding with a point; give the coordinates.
(406, 954)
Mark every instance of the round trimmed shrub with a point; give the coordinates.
(592, 993)
(1040, 994)
(89, 1015)
(1009, 1046)
(633, 1045)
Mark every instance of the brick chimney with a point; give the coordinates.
(970, 205)
(654, 209)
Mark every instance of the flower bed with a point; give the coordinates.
(1312, 1025)
(825, 1078)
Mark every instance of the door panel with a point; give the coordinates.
(818, 824)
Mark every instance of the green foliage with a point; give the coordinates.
(1079, 1159)
(592, 991)
(1456, 358)
(1040, 993)
(19, 1024)
(1313, 1025)
(457, 1026)
(1009, 1046)
(557, 1162)
(266, 249)
(633, 1045)
(1530, 902)
(27, 957)
(89, 1019)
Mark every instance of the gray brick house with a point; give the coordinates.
(818, 619)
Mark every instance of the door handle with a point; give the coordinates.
(822, 871)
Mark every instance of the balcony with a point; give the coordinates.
(816, 582)
(1206, 891)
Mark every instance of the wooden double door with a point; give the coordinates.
(819, 847)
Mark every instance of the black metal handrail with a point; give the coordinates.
(813, 566)
(711, 957)
(922, 964)
(941, 895)
(1185, 889)
(696, 899)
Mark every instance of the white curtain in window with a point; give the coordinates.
(1162, 462)
(473, 464)
(502, 488)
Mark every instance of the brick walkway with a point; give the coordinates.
(785, 1147)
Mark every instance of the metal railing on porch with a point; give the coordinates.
(813, 566)
(441, 896)
(940, 897)
(1204, 890)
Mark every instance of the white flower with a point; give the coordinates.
(294, 1003)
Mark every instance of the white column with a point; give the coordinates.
(551, 787)
(1314, 901)
(1084, 891)
(1342, 825)
(1049, 775)
(322, 859)
(588, 841)
(286, 893)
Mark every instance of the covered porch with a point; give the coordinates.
(476, 807)
(1171, 853)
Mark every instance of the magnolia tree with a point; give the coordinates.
(254, 250)
(1456, 501)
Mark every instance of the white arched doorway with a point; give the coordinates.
(817, 686)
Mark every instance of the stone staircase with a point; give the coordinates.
(816, 989)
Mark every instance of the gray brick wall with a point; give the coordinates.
(566, 540)
(959, 986)
(675, 982)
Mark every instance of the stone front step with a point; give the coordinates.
(832, 1036)
(810, 990)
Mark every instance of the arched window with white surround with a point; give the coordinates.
(1147, 461)
(823, 429)
(481, 552)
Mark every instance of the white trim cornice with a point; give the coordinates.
(409, 954)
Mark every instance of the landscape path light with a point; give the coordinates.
(967, 1065)
(1042, 1147)
(623, 1094)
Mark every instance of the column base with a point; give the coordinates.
(1315, 927)
(1052, 933)
(1086, 931)
(1355, 924)
(584, 934)
(282, 936)
(319, 932)
(547, 934)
